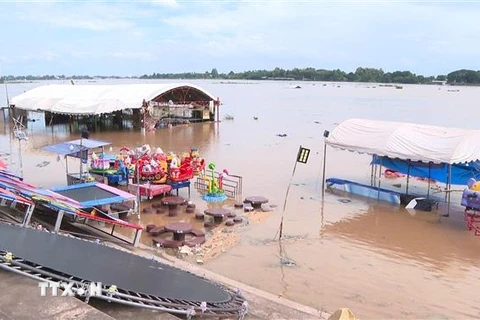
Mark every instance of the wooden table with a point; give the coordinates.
(256, 201)
(179, 230)
(172, 203)
(217, 213)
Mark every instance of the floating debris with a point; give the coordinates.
(43, 164)
(248, 208)
(186, 250)
(288, 262)
(265, 207)
(238, 219)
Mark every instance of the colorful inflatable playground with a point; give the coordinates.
(146, 171)
(146, 165)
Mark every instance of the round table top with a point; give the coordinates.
(179, 227)
(217, 212)
(256, 199)
(173, 200)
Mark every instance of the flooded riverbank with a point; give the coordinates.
(377, 259)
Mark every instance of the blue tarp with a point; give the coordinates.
(439, 172)
(73, 148)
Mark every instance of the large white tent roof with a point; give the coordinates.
(94, 99)
(407, 141)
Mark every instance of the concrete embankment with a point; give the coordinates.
(20, 299)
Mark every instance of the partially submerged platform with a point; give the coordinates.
(75, 202)
(155, 285)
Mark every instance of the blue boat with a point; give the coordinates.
(363, 190)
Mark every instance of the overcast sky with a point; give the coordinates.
(141, 37)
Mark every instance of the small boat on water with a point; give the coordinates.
(363, 190)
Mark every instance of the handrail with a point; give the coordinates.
(115, 222)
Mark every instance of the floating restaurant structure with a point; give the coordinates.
(146, 105)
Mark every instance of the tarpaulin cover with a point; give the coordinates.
(407, 141)
(96, 99)
(460, 173)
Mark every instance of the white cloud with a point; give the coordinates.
(79, 15)
(166, 3)
(91, 23)
(133, 55)
(5, 59)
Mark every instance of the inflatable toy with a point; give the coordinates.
(215, 186)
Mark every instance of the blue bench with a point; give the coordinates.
(181, 184)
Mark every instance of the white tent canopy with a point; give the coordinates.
(407, 141)
(94, 99)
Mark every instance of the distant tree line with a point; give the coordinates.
(459, 77)
(312, 74)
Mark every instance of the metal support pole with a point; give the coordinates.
(28, 216)
(58, 223)
(429, 173)
(408, 177)
(379, 179)
(81, 160)
(324, 167)
(371, 172)
(449, 187)
(448, 179)
(136, 240)
(20, 157)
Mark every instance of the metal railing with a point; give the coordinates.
(232, 184)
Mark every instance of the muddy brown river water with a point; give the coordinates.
(379, 260)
